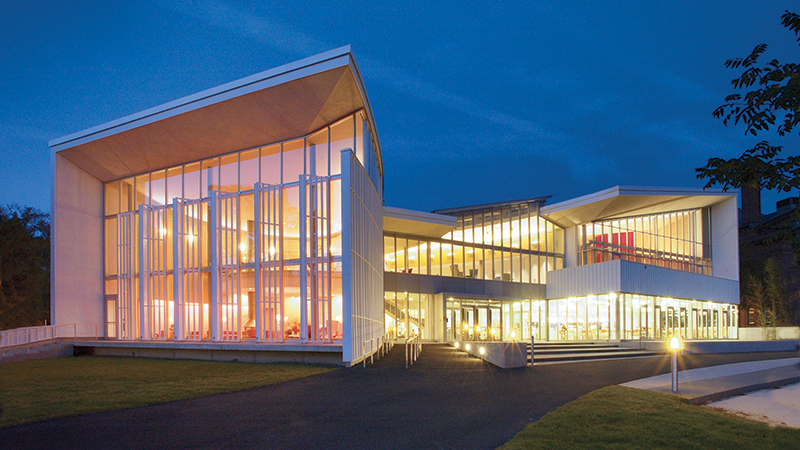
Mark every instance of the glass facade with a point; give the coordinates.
(508, 243)
(512, 243)
(635, 316)
(589, 318)
(225, 248)
(409, 314)
(676, 240)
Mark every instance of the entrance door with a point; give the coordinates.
(495, 323)
(469, 321)
(671, 319)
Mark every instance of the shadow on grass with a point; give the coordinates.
(47, 388)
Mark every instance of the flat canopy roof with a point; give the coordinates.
(626, 201)
(279, 104)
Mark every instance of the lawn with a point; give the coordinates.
(619, 417)
(46, 388)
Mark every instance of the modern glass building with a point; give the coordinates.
(624, 263)
(250, 217)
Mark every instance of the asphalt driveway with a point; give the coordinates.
(447, 400)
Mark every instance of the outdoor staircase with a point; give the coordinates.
(551, 352)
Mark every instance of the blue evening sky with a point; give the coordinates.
(473, 104)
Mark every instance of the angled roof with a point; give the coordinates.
(418, 223)
(627, 201)
(462, 209)
(282, 103)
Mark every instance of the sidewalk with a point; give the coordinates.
(740, 388)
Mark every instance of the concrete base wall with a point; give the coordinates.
(57, 348)
(757, 334)
(506, 355)
(727, 346)
(210, 353)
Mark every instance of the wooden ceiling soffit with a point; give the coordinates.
(262, 117)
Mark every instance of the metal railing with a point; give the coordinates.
(379, 345)
(413, 350)
(29, 335)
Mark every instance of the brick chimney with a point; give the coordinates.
(751, 206)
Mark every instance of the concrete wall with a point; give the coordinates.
(632, 277)
(720, 346)
(506, 355)
(76, 292)
(725, 240)
(757, 334)
(200, 352)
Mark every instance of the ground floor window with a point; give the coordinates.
(602, 317)
(408, 314)
(635, 316)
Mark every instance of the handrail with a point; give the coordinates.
(413, 349)
(29, 335)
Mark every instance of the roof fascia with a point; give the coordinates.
(272, 77)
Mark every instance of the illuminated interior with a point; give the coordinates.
(676, 240)
(207, 212)
(507, 243)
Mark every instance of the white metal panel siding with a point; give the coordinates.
(362, 265)
(725, 240)
(652, 280)
(637, 278)
(599, 278)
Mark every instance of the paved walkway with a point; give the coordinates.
(747, 388)
(447, 400)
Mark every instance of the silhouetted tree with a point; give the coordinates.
(763, 292)
(24, 266)
(774, 98)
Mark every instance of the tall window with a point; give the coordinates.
(275, 180)
(505, 243)
(677, 240)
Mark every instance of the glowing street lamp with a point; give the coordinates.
(675, 345)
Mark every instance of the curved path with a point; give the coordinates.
(446, 400)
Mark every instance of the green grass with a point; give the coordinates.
(621, 418)
(46, 388)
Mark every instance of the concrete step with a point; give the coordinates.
(584, 356)
(574, 347)
(582, 351)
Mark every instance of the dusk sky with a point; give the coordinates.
(472, 104)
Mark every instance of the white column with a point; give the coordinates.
(347, 286)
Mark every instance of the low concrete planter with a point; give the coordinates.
(506, 355)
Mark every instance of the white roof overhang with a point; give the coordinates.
(417, 223)
(279, 104)
(624, 201)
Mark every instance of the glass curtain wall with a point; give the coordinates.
(590, 318)
(677, 240)
(493, 320)
(286, 176)
(408, 315)
(635, 316)
(508, 243)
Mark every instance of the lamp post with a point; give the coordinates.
(675, 345)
